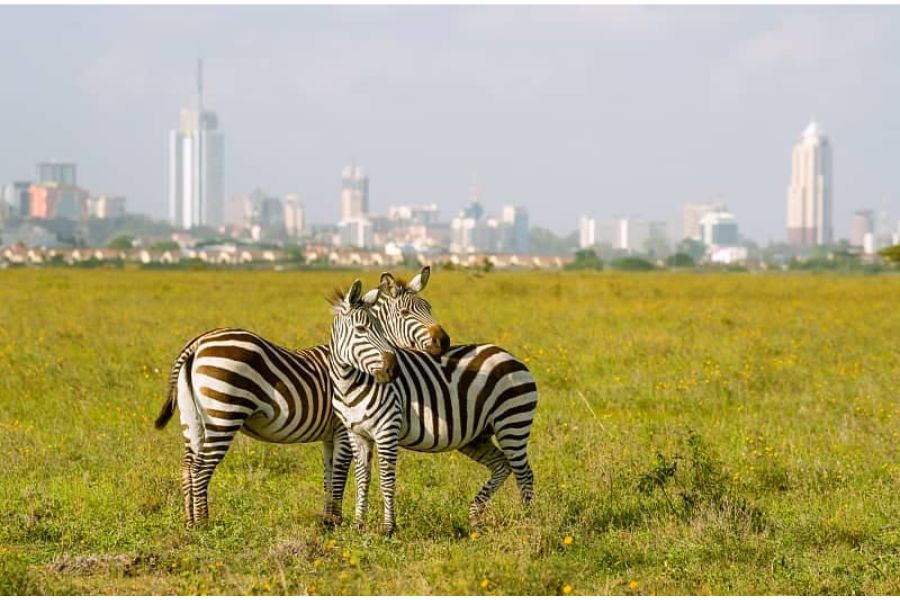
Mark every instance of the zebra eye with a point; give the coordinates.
(404, 312)
(360, 328)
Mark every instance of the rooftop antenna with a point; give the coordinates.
(199, 86)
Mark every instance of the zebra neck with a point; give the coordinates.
(344, 376)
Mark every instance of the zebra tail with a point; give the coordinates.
(186, 356)
(168, 409)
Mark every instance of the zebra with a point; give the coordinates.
(407, 317)
(388, 398)
(228, 380)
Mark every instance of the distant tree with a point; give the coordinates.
(693, 248)
(585, 260)
(165, 245)
(632, 263)
(121, 242)
(294, 253)
(891, 254)
(680, 259)
(545, 242)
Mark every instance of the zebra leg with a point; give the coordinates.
(362, 451)
(340, 465)
(387, 470)
(515, 446)
(187, 487)
(328, 483)
(483, 450)
(212, 451)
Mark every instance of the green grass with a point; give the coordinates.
(727, 434)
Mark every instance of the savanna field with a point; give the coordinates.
(695, 433)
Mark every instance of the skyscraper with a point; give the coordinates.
(862, 223)
(57, 172)
(514, 221)
(691, 214)
(196, 193)
(809, 208)
(294, 222)
(354, 194)
(719, 228)
(587, 232)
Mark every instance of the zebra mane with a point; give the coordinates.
(336, 299)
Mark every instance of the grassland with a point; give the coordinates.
(725, 434)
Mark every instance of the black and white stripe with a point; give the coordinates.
(478, 399)
(230, 380)
(406, 316)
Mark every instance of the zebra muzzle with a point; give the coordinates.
(440, 341)
(387, 373)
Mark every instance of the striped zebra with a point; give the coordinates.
(407, 317)
(478, 399)
(230, 380)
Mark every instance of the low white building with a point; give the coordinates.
(727, 255)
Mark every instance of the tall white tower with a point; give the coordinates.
(354, 194)
(196, 153)
(809, 208)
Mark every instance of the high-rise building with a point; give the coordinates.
(862, 222)
(719, 228)
(355, 233)
(514, 224)
(691, 214)
(17, 197)
(587, 232)
(354, 194)
(57, 172)
(106, 207)
(55, 200)
(426, 214)
(294, 218)
(809, 207)
(196, 154)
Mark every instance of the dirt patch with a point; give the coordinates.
(297, 550)
(104, 563)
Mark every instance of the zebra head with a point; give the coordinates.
(407, 317)
(357, 338)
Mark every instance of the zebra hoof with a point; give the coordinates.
(358, 526)
(331, 521)
(388, 531)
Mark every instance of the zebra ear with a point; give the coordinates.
(419, 282)
(371, 297)
(389, 284)
(354, 293)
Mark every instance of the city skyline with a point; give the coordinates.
(556, 134)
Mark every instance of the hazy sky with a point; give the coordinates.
(565, 110)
